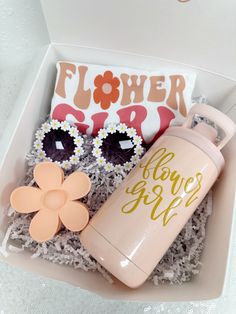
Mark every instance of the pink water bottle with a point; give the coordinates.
(137, 224)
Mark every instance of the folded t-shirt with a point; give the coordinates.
(93, 96)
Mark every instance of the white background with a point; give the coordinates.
(22, 31)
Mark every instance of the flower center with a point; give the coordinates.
(55, 199)
(106, 88)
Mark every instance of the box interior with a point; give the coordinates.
(33, 106)
(190, 32)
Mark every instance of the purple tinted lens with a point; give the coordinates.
(58, 145)
(112, 151)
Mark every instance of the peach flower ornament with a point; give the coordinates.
(54, 200)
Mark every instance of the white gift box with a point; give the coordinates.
(150, 34)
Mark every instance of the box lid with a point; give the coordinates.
(195, 32)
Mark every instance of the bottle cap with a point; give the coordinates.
(212, 132)
(207, 131)
(221, 120)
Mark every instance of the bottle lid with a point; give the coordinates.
(207, 131)
(222, 123)
(210, 131)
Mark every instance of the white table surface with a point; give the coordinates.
(22, 32)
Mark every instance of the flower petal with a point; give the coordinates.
(115, 82)
(44, 225)
(26, 199)
(97, 95)
(98, 81)
(77, 185)
(105, 103)
(48, 175)
(114, 95)
(74, 215)
(108, 76)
